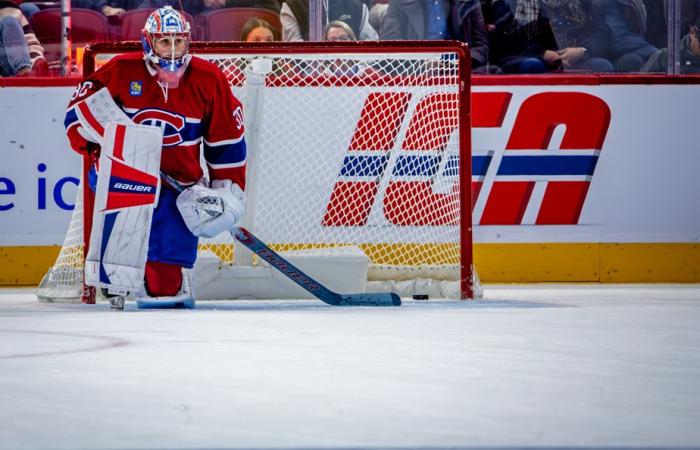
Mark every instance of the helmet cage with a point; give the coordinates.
(166, 23)
(171, 59)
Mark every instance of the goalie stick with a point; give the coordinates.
(318, 290)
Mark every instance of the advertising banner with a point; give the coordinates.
(552, 164)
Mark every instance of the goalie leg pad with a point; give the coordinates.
(127, 190)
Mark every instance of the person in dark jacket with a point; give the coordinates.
(272, 5)
(294, 15)
(117, 7)
(627, 21)
(689, 54)
(460, 20)
(522, 40)
(581, 34)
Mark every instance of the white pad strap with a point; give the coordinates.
(128, 185)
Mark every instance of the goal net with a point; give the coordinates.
(359, 171)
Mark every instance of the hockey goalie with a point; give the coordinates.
(142, 118)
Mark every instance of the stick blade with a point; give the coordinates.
(370, 299)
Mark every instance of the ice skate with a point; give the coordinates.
(183, 300)
(116, 300)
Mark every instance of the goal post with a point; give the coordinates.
(359, 170)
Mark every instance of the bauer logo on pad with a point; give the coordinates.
(129, 187)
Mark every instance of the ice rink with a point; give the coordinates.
(527, 367)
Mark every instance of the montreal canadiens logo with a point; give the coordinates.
(172, 124)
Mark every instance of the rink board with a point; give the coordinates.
(617, 155)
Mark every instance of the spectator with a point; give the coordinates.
(273, 5)
(657, 18)
(294, 16)
(114, 8)
(689, 54)
(581, 33)
(690, 49)
(20, 50)
(193, 7)
(28, 9)
(338, 31)
(439, 19)
(14, 56)
(627, 20)
(690, 13)
(254, 30)
(522, 40)
(118, 7)
(377, 12)
(257, 30)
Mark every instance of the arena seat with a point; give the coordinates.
(226, 24)
(86, 26)
(133, 20)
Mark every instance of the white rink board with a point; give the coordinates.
(645, 185)
(644, 188)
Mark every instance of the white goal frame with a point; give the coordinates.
(468, 286)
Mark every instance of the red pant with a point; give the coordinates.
(163, 279)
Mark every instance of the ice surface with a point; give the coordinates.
(529, 366)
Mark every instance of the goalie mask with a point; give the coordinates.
(166, 40)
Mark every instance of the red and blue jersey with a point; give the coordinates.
(200, 113)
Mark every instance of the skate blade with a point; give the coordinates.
(117, 303)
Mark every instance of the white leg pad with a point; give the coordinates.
(128, 185)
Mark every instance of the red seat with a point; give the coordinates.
(133, 20)
(226, 24)
(87, 26)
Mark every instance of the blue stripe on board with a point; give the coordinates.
(364, 165)
(511, 165)
(452, 168)
(416, 166)
(480, 164)
(547, 165)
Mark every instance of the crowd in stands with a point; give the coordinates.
(505, 36)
